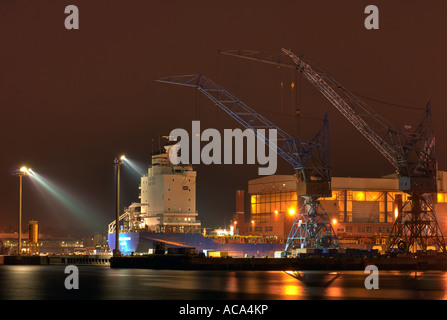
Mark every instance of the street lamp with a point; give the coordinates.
(23, 171)
(118, 163)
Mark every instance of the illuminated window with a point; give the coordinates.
(332, 197)
(349, 206)
(254, 208)
(349, 216)
(358, 195)
(265, 205)
(276, 197)
(441, 197)
(253, 199)
(372, 196)
(381, 206)
(405, 197)
(341, 216)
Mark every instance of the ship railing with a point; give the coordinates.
(112, 224)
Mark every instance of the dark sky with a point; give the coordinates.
(72, 100)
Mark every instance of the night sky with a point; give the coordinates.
(72, 100)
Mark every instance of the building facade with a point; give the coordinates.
(362, 210)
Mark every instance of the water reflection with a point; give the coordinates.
(47, 282)
(315, 279)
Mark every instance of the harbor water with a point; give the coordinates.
(30, 282)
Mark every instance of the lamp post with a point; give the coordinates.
(118, 163)
(23, 171)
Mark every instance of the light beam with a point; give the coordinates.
(75, 206)
(136, 168)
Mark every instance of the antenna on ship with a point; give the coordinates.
(152, 146)
(159, 143)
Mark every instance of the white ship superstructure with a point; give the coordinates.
(167, 199)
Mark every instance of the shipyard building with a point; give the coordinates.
(362, 210)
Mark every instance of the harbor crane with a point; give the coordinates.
(309, 158)
(412, 154)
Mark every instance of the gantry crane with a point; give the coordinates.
(309, 158)
(412, 154)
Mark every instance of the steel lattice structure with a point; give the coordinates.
(309, 159)
(412, 154)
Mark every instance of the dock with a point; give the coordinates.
(200, 262)
(79, 260)
(185, 262)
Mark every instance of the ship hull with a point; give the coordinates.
(144, 243)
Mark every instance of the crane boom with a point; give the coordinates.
(326, 85)
(309, 158)
(412, 154)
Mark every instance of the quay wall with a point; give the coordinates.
(84, 260)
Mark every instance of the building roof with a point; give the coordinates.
(287, 183)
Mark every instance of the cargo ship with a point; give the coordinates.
(166, 217)
(150, 243)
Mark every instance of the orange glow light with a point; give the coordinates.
(291, 211)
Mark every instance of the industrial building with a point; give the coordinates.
(312, 209)
(47, 244)
(362, 210)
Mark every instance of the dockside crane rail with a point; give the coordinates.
(309, 158)
(412, 154)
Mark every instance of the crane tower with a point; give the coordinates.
(309, 158)
(412, 154)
